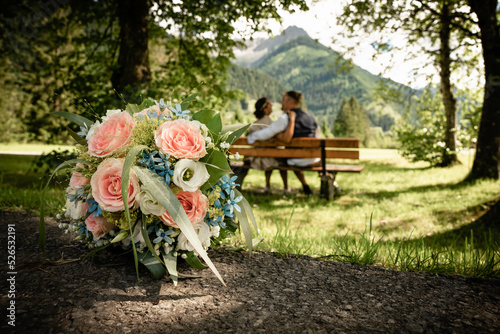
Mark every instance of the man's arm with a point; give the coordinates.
(272, 130)
(287, 135)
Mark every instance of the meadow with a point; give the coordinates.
(394, 214)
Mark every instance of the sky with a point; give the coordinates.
(320, 23)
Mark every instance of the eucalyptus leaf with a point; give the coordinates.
(77, 119)
(169, 201)
(80, 140)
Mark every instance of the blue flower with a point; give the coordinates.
(158, 163)
(179, 112)
(161, 104)
(83, 131)
(163, 235)
(83, 229)
(94, 207)
(226, 184)
(232, 203)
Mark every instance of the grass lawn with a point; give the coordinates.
(395, 214)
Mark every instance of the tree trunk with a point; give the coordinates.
(487, 160)
(133, 61)
(449, 101)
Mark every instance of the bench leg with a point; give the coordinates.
(327, 190)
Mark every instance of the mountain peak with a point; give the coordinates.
(260, 47)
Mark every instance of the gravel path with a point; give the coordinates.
(264, 294)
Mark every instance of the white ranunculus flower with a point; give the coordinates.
(149, 204)
(197, 169)
(203, 232)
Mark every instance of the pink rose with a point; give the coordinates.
(78, 180)
(194, 203)
(106, 185)
(99, 226)
(114, 133)
(182, 139)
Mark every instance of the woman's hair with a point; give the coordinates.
(259, 107)
(295, 95)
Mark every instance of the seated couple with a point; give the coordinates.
(294, 123)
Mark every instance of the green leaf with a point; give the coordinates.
(215, 125)
(237, 133)
(127, 164)
(132, 108)
(95, 251)
(217, 166)
(129, 160)
(187, 101)
(151, 262)
(204, 116)
(169, 201)
(147, 103)
(77, 119)
(79, 140)
(144, 231)
(194, 261)
(41, 226)
(247, 209)
(171, 265)
(245, 227)
(120, 236)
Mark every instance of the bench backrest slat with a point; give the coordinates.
(335, 148)
(294, 153)
(306, 142)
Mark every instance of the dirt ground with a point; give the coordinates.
(264, 294)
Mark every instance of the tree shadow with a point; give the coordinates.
(484, 230)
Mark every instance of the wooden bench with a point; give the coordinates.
(324, 148)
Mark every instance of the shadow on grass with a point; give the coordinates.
(484, 230)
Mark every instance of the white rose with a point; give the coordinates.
(75, 210)
(214, 231)
(149, 204)
(203, 232)
(199, 174)
(92, 130)
(110, 113)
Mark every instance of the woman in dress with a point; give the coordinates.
(264, 108)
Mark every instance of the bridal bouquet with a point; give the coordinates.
(154, 179)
